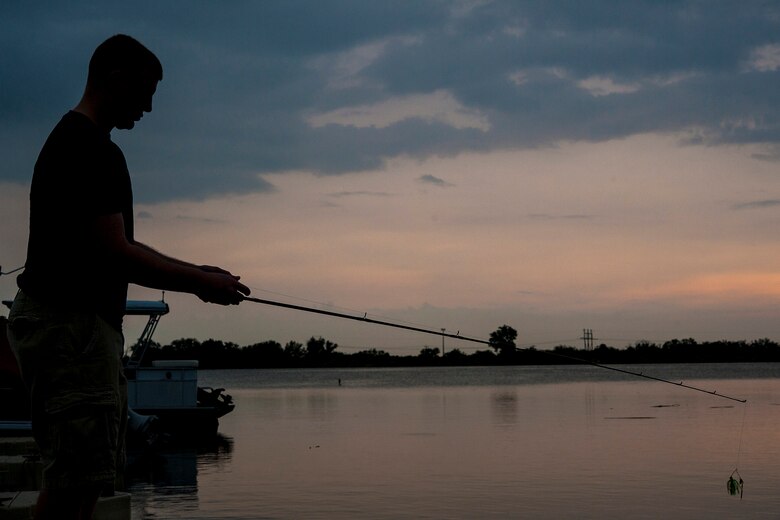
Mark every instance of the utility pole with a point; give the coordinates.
(442, 342)
(587, 339)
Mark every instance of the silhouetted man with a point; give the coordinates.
(66, 322)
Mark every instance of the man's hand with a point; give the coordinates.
(215, 269)
(220, 287)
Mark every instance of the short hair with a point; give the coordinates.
(123, 53)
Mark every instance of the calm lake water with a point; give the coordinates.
(478, 443)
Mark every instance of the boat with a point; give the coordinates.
(168, 389)
(14, 403)
(163, 396)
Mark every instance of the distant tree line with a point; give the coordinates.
(319, 352)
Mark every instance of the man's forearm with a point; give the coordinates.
(145, 266)
(163, 256)
(150, 268)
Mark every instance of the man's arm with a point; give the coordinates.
(208, 268)
(149, 268)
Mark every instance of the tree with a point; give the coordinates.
(294, 350)
(136, 348)
(265, 354)
(214, 353)
(371, 357)
(503, 340)
(183, 346)
(483, 357)
(455, 356)
(429, 353)
(318, 349)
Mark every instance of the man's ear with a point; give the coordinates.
(117, 81)
(106, 81)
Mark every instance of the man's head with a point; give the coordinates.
(123, 76)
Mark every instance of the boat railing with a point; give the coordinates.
(153, 309)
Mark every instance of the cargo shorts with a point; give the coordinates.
(71, 363)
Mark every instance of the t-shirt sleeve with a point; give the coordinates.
(100, 182)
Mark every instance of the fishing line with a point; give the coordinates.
(332, 306)
(741, 431)
(735, 485)
(442, 333)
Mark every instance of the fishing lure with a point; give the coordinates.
(734, 486)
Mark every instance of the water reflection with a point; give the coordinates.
(589, 395)
(322, 405)
(476, 450)
(157, 476)
(504, 407)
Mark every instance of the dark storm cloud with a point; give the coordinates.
(244, 79)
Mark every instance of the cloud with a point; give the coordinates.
(758, 204)
(341, 194)
(253, 89)
(603, 86)
(548, 216)
(765, 58)
(435, 181)
(707, 289)
(439, 106)
(770, 154)
(200, 220)
(342, 69)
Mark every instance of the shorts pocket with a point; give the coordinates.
(21, 327)
(75, 402)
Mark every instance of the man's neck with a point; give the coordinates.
(90, 109)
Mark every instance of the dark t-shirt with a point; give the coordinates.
(80, 175)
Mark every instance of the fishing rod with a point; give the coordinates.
(12, 271)
(443, 334)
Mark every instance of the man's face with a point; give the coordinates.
(133, 97)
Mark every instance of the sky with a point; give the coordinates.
(549, 165)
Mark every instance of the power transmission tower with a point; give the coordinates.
(587, 338)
